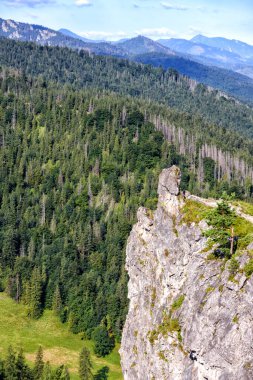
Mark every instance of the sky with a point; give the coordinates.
(116, 19)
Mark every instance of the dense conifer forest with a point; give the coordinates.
(78, 160)
(82, 70)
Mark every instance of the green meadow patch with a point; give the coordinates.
(60, 346)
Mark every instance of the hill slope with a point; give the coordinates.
(74, 165)
(235, 84)
(128, 78)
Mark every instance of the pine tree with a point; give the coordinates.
(58, 373)
(65, 374)
(85, 365)
(47, 372)
(57, 302)
(2, 374)
(10, 365)
(61, 373)
(23, 371)
(39, 365)
(35, 306)
(26, 293)
(103, 341)
(221, 219)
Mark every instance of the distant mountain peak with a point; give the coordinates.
(142, 45)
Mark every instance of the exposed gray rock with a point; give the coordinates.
(169, 181)
(250, 246)
(208, 334)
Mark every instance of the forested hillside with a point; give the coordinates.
(128, 78)
(76, 162)
(228, 81)
(74, 168)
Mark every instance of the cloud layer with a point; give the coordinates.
(155, 33)
(170, 6)
(28, 3)
(83, 3)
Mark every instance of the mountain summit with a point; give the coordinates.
(143, 45)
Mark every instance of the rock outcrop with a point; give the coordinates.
(187, 318)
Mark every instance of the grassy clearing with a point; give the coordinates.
(247, 208)
(193, 212)
(60, 346)
(244, 230)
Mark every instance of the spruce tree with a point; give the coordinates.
(104, 343)
(85, 365)
(10, 365)
(35, 306)
(2, 377)
(39, 365)
(65, 374)
(47, 372)
(23, 371)
(57, 302)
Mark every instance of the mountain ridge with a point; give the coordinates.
(143, 45)
(211, 54)
(45, 36)
(242, 48)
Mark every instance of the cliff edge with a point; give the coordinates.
(187, 318)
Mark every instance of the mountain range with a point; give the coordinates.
(229, 54)
(234, 46)
(203, 59)
(46, 36)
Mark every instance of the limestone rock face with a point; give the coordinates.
(187, 320)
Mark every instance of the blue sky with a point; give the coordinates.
(115, 19)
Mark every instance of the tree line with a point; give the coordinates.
(15, 367)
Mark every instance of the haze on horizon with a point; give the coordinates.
(116, 19)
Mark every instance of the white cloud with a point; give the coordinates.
(193, 31)
(102, 35)
(170, 6)
(83, 3)
(154, 33)
(28, 3)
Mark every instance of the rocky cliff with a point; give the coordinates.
(187, 318)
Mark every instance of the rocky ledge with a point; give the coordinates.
(187, 319)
